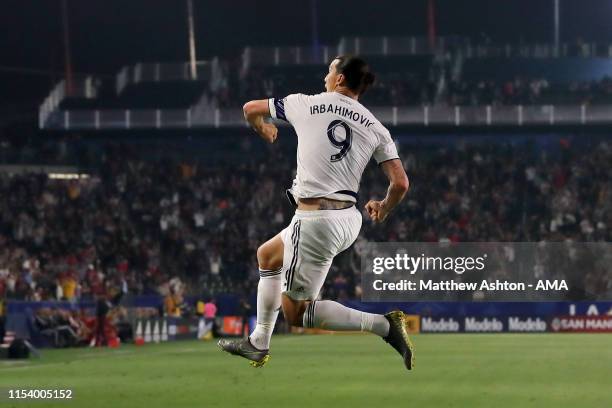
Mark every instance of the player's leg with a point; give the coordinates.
(330, 315)
(270, 260)
(256, 348)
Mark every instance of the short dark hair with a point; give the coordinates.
(356, 73)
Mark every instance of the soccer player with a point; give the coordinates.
(337, 136)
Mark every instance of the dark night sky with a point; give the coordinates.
(108, 34)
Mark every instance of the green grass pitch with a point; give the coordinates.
(481, 370)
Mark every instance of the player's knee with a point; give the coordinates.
(267, 259)
(263, 258)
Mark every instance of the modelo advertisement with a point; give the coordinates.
(478, 324)
(581, 318)
(517, 324)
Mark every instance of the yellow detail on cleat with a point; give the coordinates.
(260, 363)
(400, 318)
(407, 338)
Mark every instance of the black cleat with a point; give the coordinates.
(244, 348)
(398, 337)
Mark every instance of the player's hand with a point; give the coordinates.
(268, 132)
(377, 210)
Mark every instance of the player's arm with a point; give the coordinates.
(398, 187)
(255, 112)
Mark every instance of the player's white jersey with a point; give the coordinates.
(337, 137)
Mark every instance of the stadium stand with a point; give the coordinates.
(139, 220)
(146, 95)
(416, 85)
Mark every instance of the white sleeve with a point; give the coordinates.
(386, 149)
(289, 108)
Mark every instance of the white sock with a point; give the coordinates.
(329, 315)
(268, 305)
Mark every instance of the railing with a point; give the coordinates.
(388, 115)
(264, 56)
(121, 119)
(158, 72)
(585, 50)
(389, 46)
(397, 45)
(82, 88)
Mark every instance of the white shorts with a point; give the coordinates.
(312, 240)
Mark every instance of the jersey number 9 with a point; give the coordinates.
(343, 145)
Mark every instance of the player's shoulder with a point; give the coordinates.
(356, 105)
(301, 97)
(377, 124)
(378, 128)
(364, 110)
(296, 101)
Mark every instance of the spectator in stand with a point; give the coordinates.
(172, 304)
(210, 312)
(245, 314)
(103, 306)
(2, 318)
(69, 284)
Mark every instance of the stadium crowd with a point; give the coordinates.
(410, 89)
(413, 85)
(399, 89)
(136, 226)
(528, 91)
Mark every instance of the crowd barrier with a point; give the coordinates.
(156, 330)
(424, 317)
